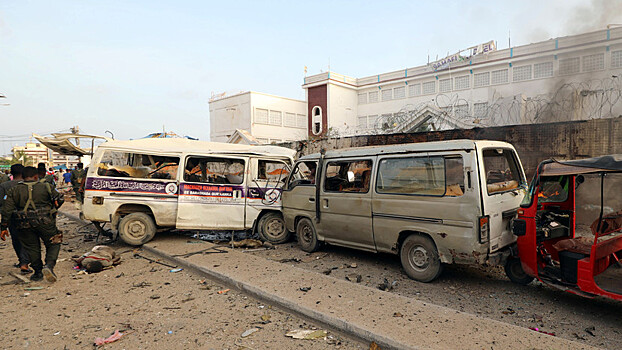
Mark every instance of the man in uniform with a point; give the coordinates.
(77, 176)
(4, 177)
(20, 251)
(31, 206)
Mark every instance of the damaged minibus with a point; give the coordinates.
(142, 186)
(431, 203)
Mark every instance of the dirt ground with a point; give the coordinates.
(484, 291)
(155, 308)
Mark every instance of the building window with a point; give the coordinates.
(387, 94)
(461, 110)
(543, 70)
(480, 110)
(362, 122)
(428, 87)
(461, 83)
(415, 89)
(521, 73)
(499, 76)
(616, 59)
(594, 62)
(290, 120)
(569, 66)
(363, 98)
(399, 92)
(481, 79)
(317, 120)
(371, 121)
(275, 118)
(444, 85)
(301, 121)
(261, 116)
(373, 97)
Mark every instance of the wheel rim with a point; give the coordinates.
(419, 258)
(274, 228)
(136, 229)
(306, 233)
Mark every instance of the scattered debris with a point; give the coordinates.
(580, 337)
(328, 271)
(397, 314)
(305, 289)
(114, 337)
(353, 277)
(541, 331)
(224, 291)
(23, 279)
(386, 286)
(353, 266)
(136, 255)
(141, 285)
(249, 332)
(374, 346)
(210, 250)
(306, 334)
(247, 243)
(287, 260)
(266, 318)
(33, 288)
(591, 330)
(509, 311)
(176, 270)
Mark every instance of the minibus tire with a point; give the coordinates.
(306, 235)
(266, 225)
(137, 229)
(420, 258)
(514, 271)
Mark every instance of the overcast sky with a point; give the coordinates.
(132, 67)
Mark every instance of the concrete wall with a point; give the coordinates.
(534, 143)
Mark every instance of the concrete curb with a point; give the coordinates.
(350, 329)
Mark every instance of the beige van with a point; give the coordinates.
(432, 203)
(146, 185)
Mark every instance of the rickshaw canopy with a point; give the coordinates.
(608, 163)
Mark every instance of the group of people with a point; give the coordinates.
(29, 203)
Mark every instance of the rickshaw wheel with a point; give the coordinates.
(271, 228)
(514, 271)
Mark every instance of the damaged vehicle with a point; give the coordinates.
(431, 203)
(146, 185)
(553, 247)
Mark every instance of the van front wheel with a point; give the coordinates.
(306, 235)
(271, 228)
(136, 228)
(420, 258)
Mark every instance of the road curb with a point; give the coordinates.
(350, 329)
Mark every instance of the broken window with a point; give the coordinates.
(428, 176)
(303, 174)
(271, 170)
(137, 165)
(214, 170)
(348, 176)
(502, 171)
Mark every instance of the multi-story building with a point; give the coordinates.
(36, 153)
(568, 78)
(251, 117)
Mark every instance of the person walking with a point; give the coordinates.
(77, 176)
(31, 205)
(20, 251)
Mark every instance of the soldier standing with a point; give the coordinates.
(22, 254)
(77, 176)
(31, 205)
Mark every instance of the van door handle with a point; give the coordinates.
(311, 199)
(325, 203)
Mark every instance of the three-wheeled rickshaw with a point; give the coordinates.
(549, 246)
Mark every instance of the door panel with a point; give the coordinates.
(212, 194)
(299, 194)
(266, 178)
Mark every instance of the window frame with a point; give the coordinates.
(245, 162)
(521, 176)
(174, 178)
(287, 185)
(255, 176)
(351, 160)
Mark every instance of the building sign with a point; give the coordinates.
(464, 55)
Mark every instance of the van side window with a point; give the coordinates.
(303, 174)
(272, 170)
(502, 173)
(348, 176)
(136, 165)
(429, 176)
(214, 170)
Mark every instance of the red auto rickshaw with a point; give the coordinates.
(549, 247)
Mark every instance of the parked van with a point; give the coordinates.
(145, 185)
(431, 203)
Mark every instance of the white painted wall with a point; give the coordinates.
(228, 114)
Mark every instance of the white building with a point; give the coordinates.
(266, 118)
(36, 153)
(569, 78)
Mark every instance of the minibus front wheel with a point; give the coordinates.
(137, 228)
(306, 235)
(420, 258)
(271, 228)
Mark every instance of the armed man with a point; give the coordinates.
(31, 206)
(22, 254)
(77, 176)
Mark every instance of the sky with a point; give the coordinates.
(137, 67)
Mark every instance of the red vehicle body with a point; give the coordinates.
(548, 247)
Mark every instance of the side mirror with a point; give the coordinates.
(519, 227)
(578, 181)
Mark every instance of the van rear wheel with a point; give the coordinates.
(307, 237)
(420, 258)
(137, 229)
(271, 228)
(514, 271)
